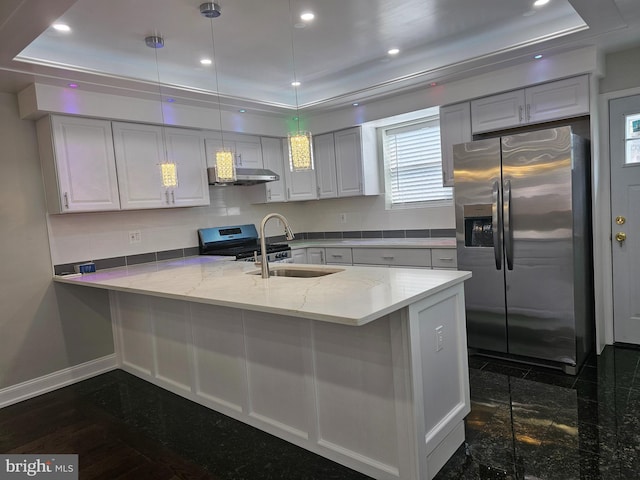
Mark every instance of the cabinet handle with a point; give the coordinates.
(288, 193)
(528, 112)
(446, 259)
(520, 113)
(336, 255)
(269, 194)
(173, 197)
(388, 257)
(166, 196)
(239, 159)
(66, 200)
(318, 192)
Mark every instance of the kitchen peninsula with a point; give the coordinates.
(365, 366)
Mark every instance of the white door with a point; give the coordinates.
(625, 216)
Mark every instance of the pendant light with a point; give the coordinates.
(224, 161)
(168, 169)
(300, 144)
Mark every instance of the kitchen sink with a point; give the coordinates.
(299, 272)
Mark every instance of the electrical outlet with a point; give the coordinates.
(439, 338)
(343, 218)
(135, 236)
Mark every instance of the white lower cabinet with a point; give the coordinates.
(78, 164)
(299, 255)
(315, 256)
(393, 257)
(338, 256)
(444, 258)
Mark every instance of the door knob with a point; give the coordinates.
(620, 220)
(621, 237)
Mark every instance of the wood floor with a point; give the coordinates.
(65, 422)
(124, 428)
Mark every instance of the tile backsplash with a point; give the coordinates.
(104, 237)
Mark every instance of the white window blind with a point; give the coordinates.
(414, 163)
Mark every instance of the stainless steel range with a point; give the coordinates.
(241, 242)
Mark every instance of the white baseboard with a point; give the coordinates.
(61, 378)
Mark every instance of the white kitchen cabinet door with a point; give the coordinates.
(315, 256)
(338, 256)
(185, 148)
(324, 152)
(273, 158)
(561, 99)
(455, 128)
(348, 144)
(498, 112)
(246, 149)
(249, 153)
(300, 185)
(139, 152)
(299, 255)
(78, 164)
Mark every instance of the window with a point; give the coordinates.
(413, 164)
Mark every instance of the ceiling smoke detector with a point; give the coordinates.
(210, 10)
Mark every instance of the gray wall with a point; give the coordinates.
(43, 327)
(622, 71)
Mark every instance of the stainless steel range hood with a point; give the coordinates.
(245, 176)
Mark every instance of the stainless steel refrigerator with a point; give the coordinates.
(523, 228)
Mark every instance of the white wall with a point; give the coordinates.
(44, 327)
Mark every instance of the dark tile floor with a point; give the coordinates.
(530, 423)
(525, 423)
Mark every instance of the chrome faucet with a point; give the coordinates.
(264, 264)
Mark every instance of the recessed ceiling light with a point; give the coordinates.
(538, 57)
(171, 100)
(394, 51)
(242, 110)
(72, 85)
(539, 3)
(295, 84)
(206, 61)
(355, 104)
(307, 16)
(61, 27)
(433, 84)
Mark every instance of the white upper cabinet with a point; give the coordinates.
(346, 163)
(561, 99)
(540, 103)
(78, 164)
(247, 149)
(324, 152)
(498, 111)
(185, 148)
(455, 127)
(300, 185)
(139, 152)
(141, 149)
(273, 158)
(349, 162)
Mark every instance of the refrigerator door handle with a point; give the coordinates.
(508, 234)
(496, 225)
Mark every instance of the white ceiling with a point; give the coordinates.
(340, 57)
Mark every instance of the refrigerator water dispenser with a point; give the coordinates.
(478, 226)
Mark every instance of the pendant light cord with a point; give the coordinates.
(164, 140)
(293, 61)
(215, 70)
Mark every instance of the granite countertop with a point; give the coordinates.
(353, 296)
(438, 242)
